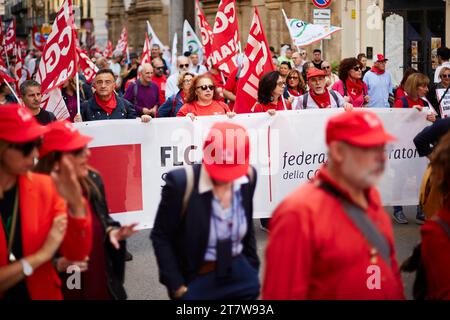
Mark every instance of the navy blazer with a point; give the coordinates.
(180, 242)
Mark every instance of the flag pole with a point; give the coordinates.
(77, 78)
(12, 91)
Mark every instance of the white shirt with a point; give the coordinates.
(297, 104)
(115, 67)
(438, 70)
(172, 84)
(198, 69)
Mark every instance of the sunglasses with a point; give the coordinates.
(159, 68)
(357, 68)
(205, 87)
(281, 83)
(184, 65)
(327, 67)
(445, 76)
(292, 78)
(27, 147)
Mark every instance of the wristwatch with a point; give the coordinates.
(27, 268)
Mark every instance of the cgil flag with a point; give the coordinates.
(206, 32)
(122, 43)
(256, 62)
(10, 37)
(153, 37)
(191, 42)
(304, 34)
(108, 50)
(53, 102)
(146, 51)
(225, 45)
(87, 66)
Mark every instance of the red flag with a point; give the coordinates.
(53, 101)
(108, 50)
(58, 62)
(2, 37)
(205, 30)
(146, 52)
(10, 38)
(256, 62)
(5, 77)
(18, 67)
(225, 45)
(86, 64)
(122, 44)
(38, 39)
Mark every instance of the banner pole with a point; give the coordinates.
(77, 78)
(12, 91)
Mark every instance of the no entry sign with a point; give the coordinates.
(321, 3)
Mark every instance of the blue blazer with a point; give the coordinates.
(180, 242)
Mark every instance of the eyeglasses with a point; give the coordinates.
(292, 78)
(187, 80)
(27, 147)
(445, 76)
(159, 68)
(326, 67)
(106, 82)
(281, 84)
(181, 66)
(357, 68)
(205, 87)
(303, 53)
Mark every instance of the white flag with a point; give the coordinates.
(191, 42)
(303, 34)
(53, 101)
(153, 37)
(173, 67)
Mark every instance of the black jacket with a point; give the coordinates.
(429, 137)
(115, 259)
(180, 242)
(91, 111)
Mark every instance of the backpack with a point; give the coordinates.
(415, 263)
(333, 94)
(405, 102)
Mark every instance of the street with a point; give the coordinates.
(141, 281)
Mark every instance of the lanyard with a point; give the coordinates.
(10, 225)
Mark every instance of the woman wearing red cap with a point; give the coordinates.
(36, 221)
(270, 94)
(203, 234)
(203, 99)
(103, 274)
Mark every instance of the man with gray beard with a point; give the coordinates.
(331, 239)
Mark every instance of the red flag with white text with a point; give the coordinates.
(146, 56)
(86, 64)
(53, 101)
(205, 30)
(122, 44)
(225, 44)
(108, 50)
(18, 68)
(10, 37)
(58, 62)
(256, 62)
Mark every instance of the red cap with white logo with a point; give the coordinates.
(359, 128)
(226, 152)
(17, 124)
(63, 136)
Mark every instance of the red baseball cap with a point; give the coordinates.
(314, 72)
(63, 136)
(17, 124)
(380, 58)
(357, 127)
(226, 152)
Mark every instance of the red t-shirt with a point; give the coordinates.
(214, 108)
(161, 83)
(400, 92)
(411, 103)
(231, 85)
(259, 107)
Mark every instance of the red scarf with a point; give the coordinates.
(294, 92)
(109, 105)
(354, 88)
(376, 70)
(322, 100)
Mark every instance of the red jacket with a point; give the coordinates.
(435, 253)
(279, 106)
(316, 252)
(411, 103)
(39, 203)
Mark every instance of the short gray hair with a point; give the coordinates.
(28, 84)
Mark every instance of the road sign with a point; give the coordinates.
(321, 4)
(323, 17)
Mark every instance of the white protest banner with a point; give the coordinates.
(445, 102)
(287, 149)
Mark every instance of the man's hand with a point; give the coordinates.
(271, 112)
(77, 118)
(348, 106)
(118, 234)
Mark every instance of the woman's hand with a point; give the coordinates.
(77, 118)
(146, 118)
(348, 106)
(62, 264)
(118, 234)
(191, 115)
(346, 98)
(431, 117)
(231, 114)
(54, 237)
(366, 99)
(271, 112)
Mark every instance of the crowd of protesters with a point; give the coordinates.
(203, 235)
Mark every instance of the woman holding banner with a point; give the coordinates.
(295, 85)
(103, 271)
(270, 94)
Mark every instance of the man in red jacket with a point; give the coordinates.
(331, 238)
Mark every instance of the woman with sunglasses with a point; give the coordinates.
(38, 216)
(270, 94)
(174, 103)
(295, 85)
(442, 89)
(103, 270)
(350, 84)
(203, 99)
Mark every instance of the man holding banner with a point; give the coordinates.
(331, 238)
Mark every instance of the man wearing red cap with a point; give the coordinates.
(319, 96)
(379, 82)
(203, 235)
(331, 238)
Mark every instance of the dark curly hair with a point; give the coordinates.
(346, 65)
(440, 162)
(267, 84)
(192, 96)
